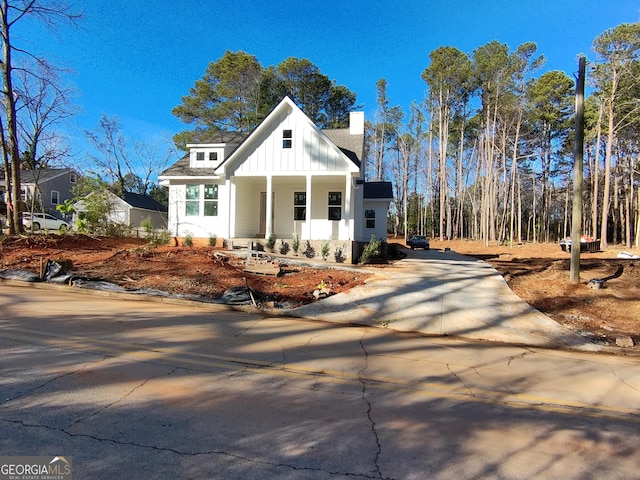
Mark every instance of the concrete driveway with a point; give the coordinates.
(443, 293)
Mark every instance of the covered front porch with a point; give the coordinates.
(313, 207)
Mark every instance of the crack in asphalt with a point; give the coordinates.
(51, 380)
(235, 456)
(517, 357)
(622, 380)
(457, 377)
(115, 402)
(377, 470)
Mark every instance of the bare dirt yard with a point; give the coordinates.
(538, 273)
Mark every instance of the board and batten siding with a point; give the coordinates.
(310, 152)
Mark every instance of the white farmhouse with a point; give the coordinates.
(287, 178)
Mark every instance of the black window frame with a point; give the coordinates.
(370, 218)
(334, 199)
(300, 206)
(287, 138)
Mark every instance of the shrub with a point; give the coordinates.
(295, 243)
(326, 247)
(371, 250)
(213, 240)
(188, 240)
(309, 251)
(158, 237)
(147, 226)
(271, 242)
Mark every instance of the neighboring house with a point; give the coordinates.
(287, 177)
(132, 210)
(43, 190)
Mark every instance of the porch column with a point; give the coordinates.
(306, 230)
(269, 222)
(230, 207)
(348, 224)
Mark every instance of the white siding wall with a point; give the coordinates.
(309, 152)
(197, 226)
(247, 207)
(380, 230)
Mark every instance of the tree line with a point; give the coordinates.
(485, 155)
(488, 153)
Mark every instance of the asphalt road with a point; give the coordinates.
(137, 389)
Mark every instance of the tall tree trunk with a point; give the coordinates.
(596, 174)
(607, 168)
(12, 128)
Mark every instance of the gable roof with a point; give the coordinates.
(42, 175)
(144, 202)
(351, 145)
(182, 167)
(282, 107)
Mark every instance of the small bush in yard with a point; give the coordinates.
(213, 239)
(371, 251)
(326, 247)
(188, 240)
(271, 242)
(158, 237)
(295, 243)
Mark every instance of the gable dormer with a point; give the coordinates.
(206, 155)
(212, 155)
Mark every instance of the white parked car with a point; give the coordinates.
(38, 221)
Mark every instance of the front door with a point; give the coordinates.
(263, 212)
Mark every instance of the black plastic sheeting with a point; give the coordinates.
(54, 273)
(21, 275)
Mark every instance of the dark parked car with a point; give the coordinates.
(418, 241)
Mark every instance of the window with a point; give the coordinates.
(211, 200)
(55, 197)
(73, 178)
(287, 138)
(300, 206)
(200, 156)
(370, 218)
(192, 200)
(335, 205)
(213, 156)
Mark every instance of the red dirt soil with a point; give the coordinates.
(538, 273)
(133, 263)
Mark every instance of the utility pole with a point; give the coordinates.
(578, 166)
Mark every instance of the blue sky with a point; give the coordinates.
(135, 59)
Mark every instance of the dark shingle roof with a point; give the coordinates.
(181, 169)
(351, 145)
(143, 201)
(381, 190)
(28, 176)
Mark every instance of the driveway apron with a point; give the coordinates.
(443, 293)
